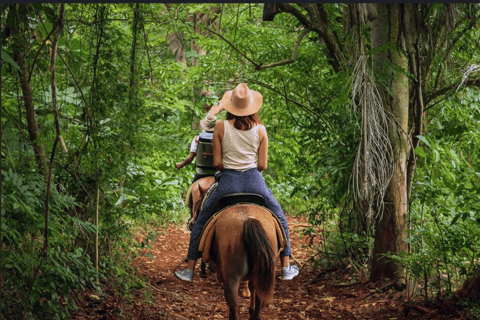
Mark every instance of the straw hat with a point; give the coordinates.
(209, 123)
(242, 101)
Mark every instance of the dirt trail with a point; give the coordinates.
(311, 295)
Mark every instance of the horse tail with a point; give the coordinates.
(261, 258)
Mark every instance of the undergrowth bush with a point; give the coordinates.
(40, 286)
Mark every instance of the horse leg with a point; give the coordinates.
(251, 309)
(245, 292)
(230, 288)
(203, 272)
(259, 304)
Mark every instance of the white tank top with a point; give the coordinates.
(240, 148)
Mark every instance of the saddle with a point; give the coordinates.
(226, 202)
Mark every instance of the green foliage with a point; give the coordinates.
(125, 132)
(445, 215)
(124, 149)
(41, 285)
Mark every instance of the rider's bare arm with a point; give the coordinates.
(186, 162)
(262, 149)
(216, 109)
(217, 146)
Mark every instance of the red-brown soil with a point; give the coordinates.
(313, 294)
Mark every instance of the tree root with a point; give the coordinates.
(378, 290)
(471, 287)
(351, 284)
(409, 307)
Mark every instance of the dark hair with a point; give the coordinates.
(244, 123)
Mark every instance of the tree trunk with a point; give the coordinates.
(390, 230)
(32, 127)
(136, 17)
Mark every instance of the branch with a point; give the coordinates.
(260, 66)
(38, 52)
(327, 124)
(343, 285)
(74, 175)
(305, 108)
(452, 44)
(61, 57)
(302, 106)
(415, 307)
(75, 79)
(288, 8)
(93, 22)
(377, 290)
(440, 92)
(333, 49)
(257, 65)
(292, 59)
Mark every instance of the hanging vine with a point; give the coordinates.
(373, 166)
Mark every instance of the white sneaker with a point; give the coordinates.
(289, 273)
(185, 275)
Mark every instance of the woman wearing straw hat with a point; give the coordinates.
(240, 151)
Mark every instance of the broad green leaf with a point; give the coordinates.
(454, 220)
(9, 60)
(423, 139)
(420, 152)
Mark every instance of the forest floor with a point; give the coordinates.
(313, 294)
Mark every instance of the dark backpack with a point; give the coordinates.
(204, 158)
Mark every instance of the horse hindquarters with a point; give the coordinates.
(244, 245)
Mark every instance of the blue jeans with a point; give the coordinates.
(233, 181)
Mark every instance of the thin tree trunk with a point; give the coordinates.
(99, 27)
(1, 244)
(96, 233)
(58, 29)
(417, 107)
(44, 251)
(145, 36)
(390, 230)
(32, 127)
(136, 15)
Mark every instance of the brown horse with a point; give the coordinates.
(195, 195)
(194, 199)
(243, 242)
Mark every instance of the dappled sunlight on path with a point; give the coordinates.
(314, 294)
